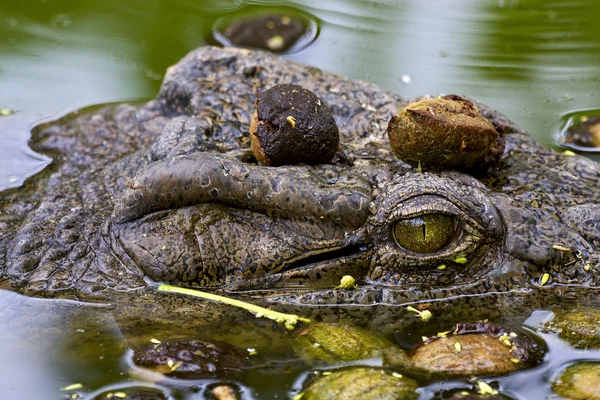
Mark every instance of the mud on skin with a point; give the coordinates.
(169, 191)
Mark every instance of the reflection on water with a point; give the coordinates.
(47, 345)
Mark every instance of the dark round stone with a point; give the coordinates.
(190, 359)
(274, 29)
(582, 131)
(292, 126)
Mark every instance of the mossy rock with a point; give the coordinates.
(579, 382)
(331, 343)
(448, 133)
(468, 394)
(581, 328)
(361, 384)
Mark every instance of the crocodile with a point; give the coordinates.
(168, 191)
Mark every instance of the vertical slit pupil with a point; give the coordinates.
(425, 234)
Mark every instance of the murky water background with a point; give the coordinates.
(532, 60)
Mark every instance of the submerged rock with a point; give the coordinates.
(333, 343)
(273, 30)
(189, 359)
(464, 394)
(582, 132)
(361, 384)
(579, 382)
(476, 349)
(133, 393)
(581, 328)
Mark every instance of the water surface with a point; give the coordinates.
(533, 60)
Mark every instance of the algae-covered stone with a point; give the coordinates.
(292, 126)
(132, 393)
(579, 382)
(581, 328)
(468, 394)
(477, 349)
(361, 384)
(330, 343)
(447, 132)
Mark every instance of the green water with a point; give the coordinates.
(533, 60)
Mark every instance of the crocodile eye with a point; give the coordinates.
(425, 234)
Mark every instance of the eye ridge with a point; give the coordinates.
(426, 233)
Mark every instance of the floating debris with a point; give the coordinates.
(73, 386)
(276, 43)
(347, 282)
(460, 260)
(458, 347)
(118, 395)
(6, 111)
(425, 315)
(289, 320)
(484, 388)
(292, 121)
(544, 279)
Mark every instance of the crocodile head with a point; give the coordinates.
(168, 191)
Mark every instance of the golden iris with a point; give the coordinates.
(425, 234)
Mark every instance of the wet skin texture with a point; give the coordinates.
(169, 192)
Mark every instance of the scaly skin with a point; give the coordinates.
(168, 192)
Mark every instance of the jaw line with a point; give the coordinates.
(306, 277)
